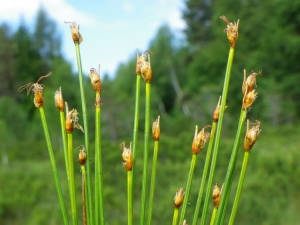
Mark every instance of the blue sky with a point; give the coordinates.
(111, 30)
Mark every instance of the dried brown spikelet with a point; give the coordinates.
(199, 139)
(72, 120)
(249, 82)
(216, 196)
(231, 31)
(127, 156)
(76, 36)
(156, 129)
(249, 99)
(217, 111)
(95, 80)
(59, 101)
(251, 135)
(82, 155)
(179, 197)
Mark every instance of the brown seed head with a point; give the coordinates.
(82, 155)
(231, 31)
(37, 90)
(143, 67)
(127, 156)
(179, 197)
(59, 101)
(249, 99)
(95, 80)
(216, 195)
(199, 139)
(251, 135)
(156, 129)
(76, 36)
(72, 120)
(249, 82)
(217, 111)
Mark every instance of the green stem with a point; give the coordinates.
(152, 185)
(205, 172)
(239, 188)
(175, 216)
(213, 216)
(72, 180)
(129, 195)
(230, 170)
(64, 139)
(218, 135)
(135, 128)
(146, 146)
(86, 135)
(53, 165)
(188, 188)
(99, 205)
(83, 194)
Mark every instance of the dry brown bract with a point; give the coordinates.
(37, 90)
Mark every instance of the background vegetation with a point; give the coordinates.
(187, 81)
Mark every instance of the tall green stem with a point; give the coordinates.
(213, 216)
(239, 188)
(129, 196)
(152, 185)
(230, 170)
(205, 172)
(175, 216)
(188, 188)
(146, 146)
(83, 194)
(218, 134)
(99, 206)
(86, 135)
(53, 165)
(72, 180)
(135, 131)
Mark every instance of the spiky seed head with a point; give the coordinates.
(199, 140)
(231, 31)
(82, 156)
(217, 111)
(95, 80)
(156, 129)
(249, 99)
(216, 196)
(76, 36)
(58, 99)
(251, 135)
(127, 156)
(179, 197)
(72, 120)
(249, 82)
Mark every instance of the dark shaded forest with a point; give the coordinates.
(187, 81)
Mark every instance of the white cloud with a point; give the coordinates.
(127, 6)
(59, 10)
(175, 20)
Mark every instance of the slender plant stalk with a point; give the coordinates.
(86, 136)
(213, 216)
(53, 165)
(205, 172)
(239, 188)
(129, 194)
(218, 135)
(146, 146)
(99, 205)
(175, 216)
(64, 139)
(72, 180)
(152, 185)
(230, 170)
(83, 194)
(135, 134)
(188, 188)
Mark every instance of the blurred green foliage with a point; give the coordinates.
(188, 76)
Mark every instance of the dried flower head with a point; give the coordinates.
(216, 195)
(72, 120)
(95, 79)
(82, 155)
(59, 101)
(127, 156)
(199, 139)
(217, 111)
(184, 223)
(76, 36)
(156, 129)
(251, 135)
(249, 99)
(231, 31)
(179, 197)
(37, 90)
(143, 67)
(249, 82)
